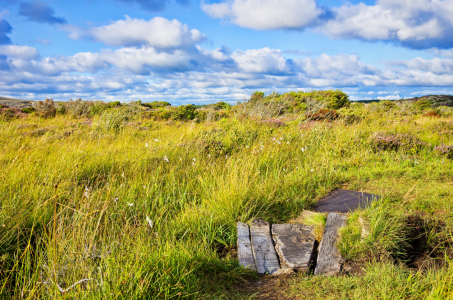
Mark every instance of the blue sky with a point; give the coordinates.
(192, 51)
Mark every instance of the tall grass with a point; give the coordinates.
(76, 199)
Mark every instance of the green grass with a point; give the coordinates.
(75, 201)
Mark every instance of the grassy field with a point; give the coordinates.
(120, 206)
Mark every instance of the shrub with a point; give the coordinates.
(7, 113)
(404, 142)
(28, 110)
(184, 112)
(45, 109)
(422, 104)
(387, 105)
(323, 115)
(156, 104)
(445, 150)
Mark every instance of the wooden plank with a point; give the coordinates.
(245, 254)
(266, 259)
(294, 244)
(344, 201)
(329, 257)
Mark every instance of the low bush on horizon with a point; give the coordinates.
(105, 201)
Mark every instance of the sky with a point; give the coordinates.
(205, 51)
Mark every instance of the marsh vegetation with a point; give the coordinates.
(111, 201)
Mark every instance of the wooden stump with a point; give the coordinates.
(266, 259)
(294, 245)
(329, 257)
(245, 254)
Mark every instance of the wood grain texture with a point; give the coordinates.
(329, 257)
(245, 254)
(294, 245)
(344, 201)
(266, 259)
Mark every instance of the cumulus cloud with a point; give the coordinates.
(417, 24)
(198, 74)
(266, 14)
(5, 29)
(39, 12)
(265, 60)
(21, 52)
(436, 66)
(157, 32)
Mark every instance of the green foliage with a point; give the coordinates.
(155, 104)
(422, 104)
(28, 110)
(387, 105)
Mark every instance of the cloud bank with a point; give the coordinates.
(416, 24)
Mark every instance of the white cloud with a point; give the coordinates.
(21, 52)
(266, 14)
(436, 66)
(448, 53)
(414, 23)
(157, 32)
(263, 60)
(194, 75)
(418, 24)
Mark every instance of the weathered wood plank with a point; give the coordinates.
(344, 201)
(266, 259)
(329, 257)
(294, 244)
(245, 254)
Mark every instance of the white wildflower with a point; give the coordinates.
(150, 222)
(166, 158)
(209, 155)
(86, 193)
(156, 140)
(303, 149)
(194, 160)
(116, 200)
(146, 144)
(312, 170)
(130, 204)
(122, 174)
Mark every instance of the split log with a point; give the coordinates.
(266, 259)
(329, 257)
(245, 254)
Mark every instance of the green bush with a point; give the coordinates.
(422, 104)
(28, 110)
(184, 112)
(156, 104)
